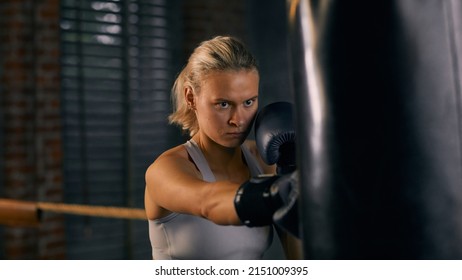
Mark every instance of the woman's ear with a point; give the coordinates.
(189, 98)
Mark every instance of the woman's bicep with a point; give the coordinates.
(175, 185)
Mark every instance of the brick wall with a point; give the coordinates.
(29, 63)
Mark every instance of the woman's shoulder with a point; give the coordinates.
(173, 159)
(177, 151)
(166, 158)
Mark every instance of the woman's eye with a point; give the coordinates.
(223, 105)
(248, 103)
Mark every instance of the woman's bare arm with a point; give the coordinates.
(173, 183)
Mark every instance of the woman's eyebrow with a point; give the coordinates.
(222, 99)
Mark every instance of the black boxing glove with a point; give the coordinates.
(253, 201)
(258, 201)
(275, 136)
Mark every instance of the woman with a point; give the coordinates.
(190, 188)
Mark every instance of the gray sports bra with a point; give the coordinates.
(188, 237)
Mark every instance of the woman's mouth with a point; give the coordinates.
(236, 134)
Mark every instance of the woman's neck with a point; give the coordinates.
(223, 161)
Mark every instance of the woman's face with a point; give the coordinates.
(226, 106)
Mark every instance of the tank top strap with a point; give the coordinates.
(199, 160)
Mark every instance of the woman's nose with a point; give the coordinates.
(237, 117)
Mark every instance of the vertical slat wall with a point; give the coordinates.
(119, 59)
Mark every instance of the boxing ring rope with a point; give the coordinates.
(27, 213)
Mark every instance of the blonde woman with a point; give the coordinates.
(191, 188)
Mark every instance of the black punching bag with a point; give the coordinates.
(377, 89)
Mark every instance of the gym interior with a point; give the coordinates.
(84, 97)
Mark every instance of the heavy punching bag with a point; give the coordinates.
(377, 89)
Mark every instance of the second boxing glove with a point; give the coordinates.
(275, 136)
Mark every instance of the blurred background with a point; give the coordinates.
(84, 97)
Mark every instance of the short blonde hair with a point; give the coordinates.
(218, 54)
